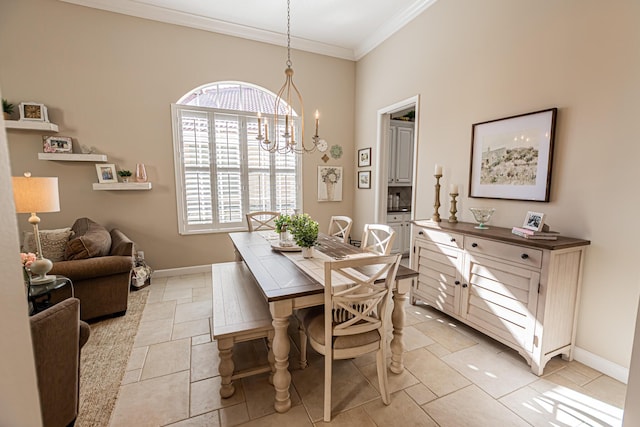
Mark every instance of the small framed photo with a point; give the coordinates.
(107, 173)
(364, 157)
(533, 221)
(364, 179)
(57, 144)
(32, 111)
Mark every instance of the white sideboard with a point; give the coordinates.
(523, 293)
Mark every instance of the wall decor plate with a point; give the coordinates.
(336, 151)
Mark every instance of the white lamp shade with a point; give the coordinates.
(36, 194)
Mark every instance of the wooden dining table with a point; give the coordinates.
(290, 282)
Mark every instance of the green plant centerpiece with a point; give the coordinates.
(305, 233)
(125, 175)
(7, 108)
(282, 224)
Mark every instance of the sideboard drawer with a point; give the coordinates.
(441, 237)
(529, 257)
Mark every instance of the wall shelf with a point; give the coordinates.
(123, 186)
(29, 125)
(73, 157)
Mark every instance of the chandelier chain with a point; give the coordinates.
(289, 34)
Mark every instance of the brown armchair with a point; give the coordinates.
(57, 335)
(101, 283)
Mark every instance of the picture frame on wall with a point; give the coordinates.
(364, 179)
(107, 173)
(33, 111)
(57, 144)
(364, 157)
(511, 158)
(330, 183)
(533, 221)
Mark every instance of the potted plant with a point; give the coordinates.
(282, 224)
(124, 174)
(7, 109)
(305, 233)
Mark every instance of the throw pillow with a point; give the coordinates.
(91, 240)
(53, 243)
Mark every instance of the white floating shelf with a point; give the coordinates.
(29, 125)
(73, 157)
(123, 186)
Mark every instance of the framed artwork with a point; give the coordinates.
(534, 221)
(107, 173)
(364, 179)
(34, 112)
(364, 157)
(57, 144)
(330, 183)
(511, 158)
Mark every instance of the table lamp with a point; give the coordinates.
(33, 195)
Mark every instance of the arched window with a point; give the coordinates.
(221, 170)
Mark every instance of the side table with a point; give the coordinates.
(39, 295)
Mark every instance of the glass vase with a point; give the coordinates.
(141, 173)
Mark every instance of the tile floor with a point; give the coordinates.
(454, 377)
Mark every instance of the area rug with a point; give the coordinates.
(103, 362)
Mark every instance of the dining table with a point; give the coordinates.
(289, 282)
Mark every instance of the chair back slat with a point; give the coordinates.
(340, 227)
(263, 220)
(378, 238)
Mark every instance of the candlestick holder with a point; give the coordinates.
(453, 210)
(436, 204)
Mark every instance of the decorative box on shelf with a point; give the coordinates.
(123, 186)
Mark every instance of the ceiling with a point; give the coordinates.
(346, 29)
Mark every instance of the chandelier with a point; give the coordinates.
(284, 136)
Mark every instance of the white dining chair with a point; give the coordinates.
(358, 318)
(340, 227)
(378, 238)
(262, 220)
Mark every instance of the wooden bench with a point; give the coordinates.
(240, 313)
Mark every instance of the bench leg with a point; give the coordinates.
(271, 357)
(225, 351)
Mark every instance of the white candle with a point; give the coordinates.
(438, 170)
(317, 121)
(453, 189)
(259, 124)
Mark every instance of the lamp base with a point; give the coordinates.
(42, 279)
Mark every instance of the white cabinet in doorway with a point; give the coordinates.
(400, 153)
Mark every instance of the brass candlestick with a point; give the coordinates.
(436, 204)
(453, 209)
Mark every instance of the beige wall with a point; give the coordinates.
(474, 61)
(109, 80)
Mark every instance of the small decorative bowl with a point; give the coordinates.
(482, 216)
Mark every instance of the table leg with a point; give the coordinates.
(280, 311)
(397, 343)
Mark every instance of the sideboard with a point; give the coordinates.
(523, 293)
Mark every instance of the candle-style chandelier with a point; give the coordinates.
(284, 137)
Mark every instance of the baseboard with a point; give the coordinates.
(605, 366)
(181, 271)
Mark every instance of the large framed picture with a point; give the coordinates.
(57, 144)
(364, 157)
(364, 179)
(32, 111)
(329, 183)
(511, 158)
(107, 173)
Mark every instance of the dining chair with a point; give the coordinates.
(378, 238)
(358, 302)
(339, 227)
(262, 220)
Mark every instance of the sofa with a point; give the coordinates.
(57, 335)
(98, 262)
